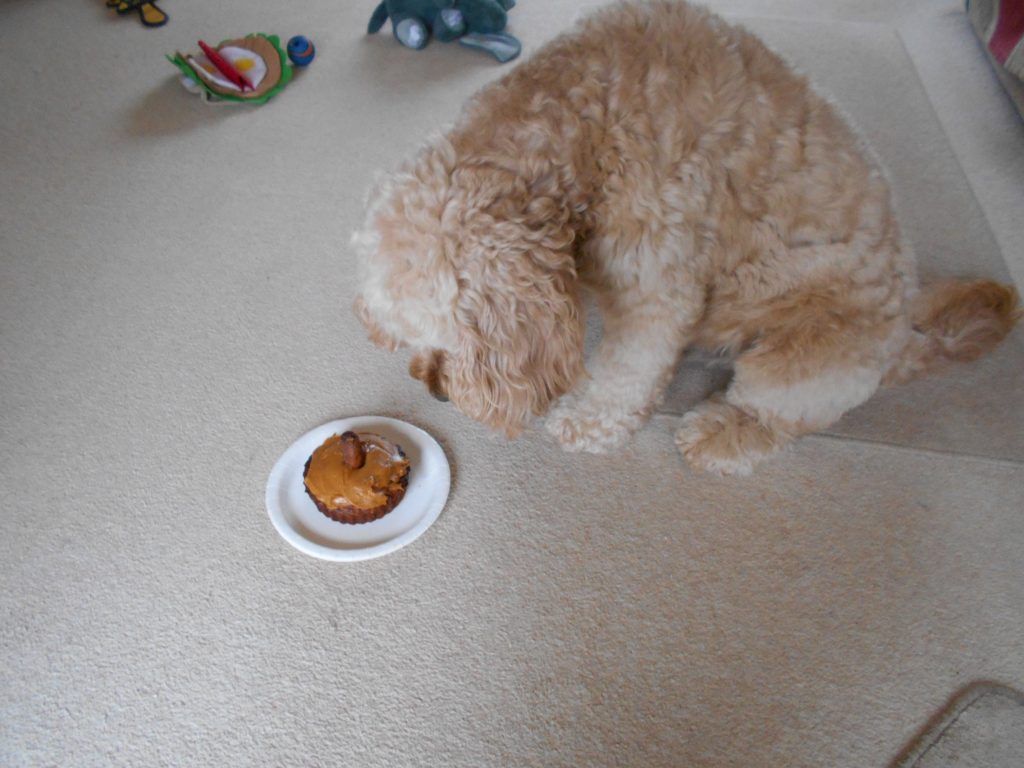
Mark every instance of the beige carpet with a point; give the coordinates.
(174, 292)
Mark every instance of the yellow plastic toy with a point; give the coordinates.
(149, 14)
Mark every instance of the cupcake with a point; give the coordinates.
(356, 478)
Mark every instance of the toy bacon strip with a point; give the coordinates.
(225, 67)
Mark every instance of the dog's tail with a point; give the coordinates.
(955, 322)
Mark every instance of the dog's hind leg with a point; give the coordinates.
(798, 377)
(643, 338)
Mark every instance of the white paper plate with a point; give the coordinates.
(303, 526)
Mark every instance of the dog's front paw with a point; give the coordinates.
(583, 427)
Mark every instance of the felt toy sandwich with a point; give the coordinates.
(250, 69)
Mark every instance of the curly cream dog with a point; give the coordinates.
(708, 197)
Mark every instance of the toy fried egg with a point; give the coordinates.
(248, 63)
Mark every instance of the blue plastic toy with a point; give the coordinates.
(301, 50)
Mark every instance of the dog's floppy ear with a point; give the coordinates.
(520, 336)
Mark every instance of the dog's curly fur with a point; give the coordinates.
(675, 166)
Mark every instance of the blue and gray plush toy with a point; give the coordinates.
(477, 24)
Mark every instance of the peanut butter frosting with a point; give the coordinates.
(337, 484)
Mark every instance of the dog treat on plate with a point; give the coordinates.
(356, 478)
